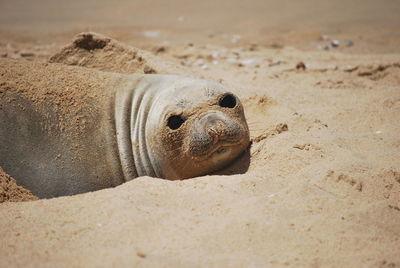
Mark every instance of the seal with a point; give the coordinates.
(68, 130)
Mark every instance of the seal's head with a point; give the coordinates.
(201, 129)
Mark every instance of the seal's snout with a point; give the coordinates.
(215, 127)
(212, 131)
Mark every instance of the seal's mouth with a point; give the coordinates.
(221, 154)
(222, 151)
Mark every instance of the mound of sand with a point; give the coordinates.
(96, 51)
(11, 192)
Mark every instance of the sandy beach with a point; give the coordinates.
(320, 84)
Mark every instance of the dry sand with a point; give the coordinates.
(323, 185)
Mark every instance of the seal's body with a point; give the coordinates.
(68, 130)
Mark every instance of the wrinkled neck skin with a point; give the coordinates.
(133, 101)
(147, 147)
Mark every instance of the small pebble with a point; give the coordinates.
(327, 47)
(151, 33)
(159, 49)
(215, 54)
(27, 54)
(350, 43)
(301, 66)
(235, 38)
(275, 63)
(253, 47)
(325, 37)
(231, 60)
(335, 43)
(350, 68)
(247, 61)
(149, 70)
(200, 62)
(141, 255)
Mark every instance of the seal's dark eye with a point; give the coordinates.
(227, 101)
(175, 121)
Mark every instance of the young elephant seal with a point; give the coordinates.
(68, 130)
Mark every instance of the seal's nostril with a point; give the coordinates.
(227, 101)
